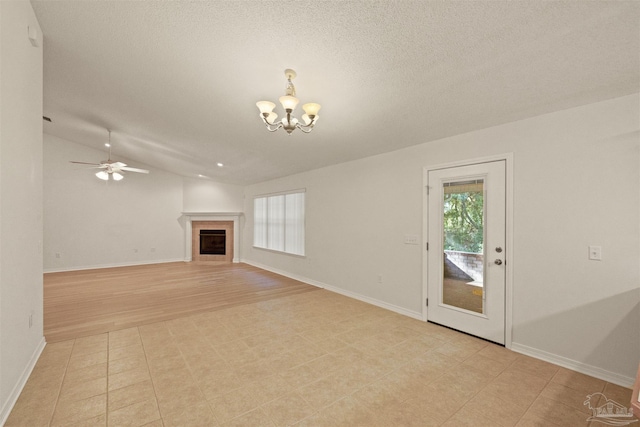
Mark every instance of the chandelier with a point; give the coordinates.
(289, 102)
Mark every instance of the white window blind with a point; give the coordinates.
(260, 222)
(294, 223)
(275, 223)
(278, 222)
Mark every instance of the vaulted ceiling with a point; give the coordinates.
(177, 81)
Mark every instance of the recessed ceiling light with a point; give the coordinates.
(106, 144)
(220, 165)
(201, 176)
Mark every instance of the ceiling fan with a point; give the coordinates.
(110, 169)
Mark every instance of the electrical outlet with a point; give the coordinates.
(57, 255)
(595, 253)
(379, 278)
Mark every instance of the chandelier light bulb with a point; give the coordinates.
(311, 109)
(265, 107)
(289, 102)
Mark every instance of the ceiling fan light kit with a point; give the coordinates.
(104, 175)
(111, 170)
(289, 103)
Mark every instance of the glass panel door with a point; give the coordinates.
(466, 226)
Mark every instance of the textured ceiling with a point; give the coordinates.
(177, 81)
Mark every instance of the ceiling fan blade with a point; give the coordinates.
(127, 168)
(118, 165)
(85, 163)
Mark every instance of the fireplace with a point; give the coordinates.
(196, 221)
(213, 242)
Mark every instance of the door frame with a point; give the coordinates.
(509, 250)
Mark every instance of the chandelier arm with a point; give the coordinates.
(274, 129)
(266, 122)
(269, 125)
(303, 128)
(310, 125)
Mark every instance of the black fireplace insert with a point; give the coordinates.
(213, 242)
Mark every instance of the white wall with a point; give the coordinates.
(20, 200)
(576, 183)
(92, 223)
(202, 195)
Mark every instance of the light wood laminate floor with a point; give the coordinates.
(89, 302)
(306, 359)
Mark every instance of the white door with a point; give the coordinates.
(466, 263)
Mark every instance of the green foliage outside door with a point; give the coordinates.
(463, 217)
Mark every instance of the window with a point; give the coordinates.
(278, 222)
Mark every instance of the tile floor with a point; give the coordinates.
(313, 359)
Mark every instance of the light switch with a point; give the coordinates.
(595, 253)
(411, 239)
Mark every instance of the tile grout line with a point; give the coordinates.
(259, 407)
(106, 417)
(536, 398)
(64, 375)
(153, 386)
(547, 382)
(318, 410)
(460, 364)
(186, 363)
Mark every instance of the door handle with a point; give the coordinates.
(498, 262)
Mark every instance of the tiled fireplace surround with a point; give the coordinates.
(229, 221)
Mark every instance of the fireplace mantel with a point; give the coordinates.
(212, 216)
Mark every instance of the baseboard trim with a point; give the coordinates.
(350, 294)
(574, 365)
(122, 264)
(376, 302)
(22, 381)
